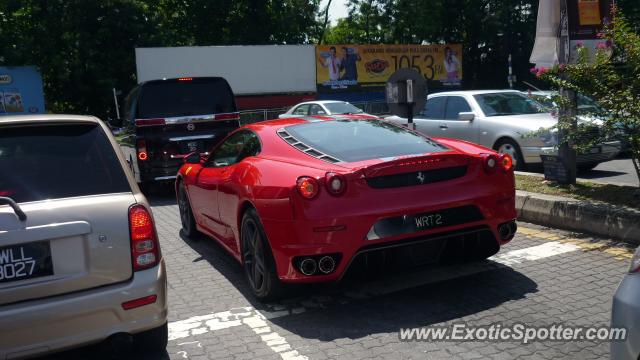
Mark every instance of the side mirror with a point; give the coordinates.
(193, 158)
(466, 116)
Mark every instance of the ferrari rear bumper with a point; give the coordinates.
(352, 247)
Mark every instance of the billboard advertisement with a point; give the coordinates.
(250, 70)
(20, 91)
(360, 67)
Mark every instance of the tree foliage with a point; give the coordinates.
(86, 48)
(611, 76)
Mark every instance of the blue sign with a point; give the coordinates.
(21, 91)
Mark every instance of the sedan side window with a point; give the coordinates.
(316, 110)
(456, 105)
(301, 110)
(434, 109)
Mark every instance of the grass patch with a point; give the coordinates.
(612, 194)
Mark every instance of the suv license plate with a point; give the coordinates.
(25, 261)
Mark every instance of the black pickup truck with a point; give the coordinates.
(164, 120)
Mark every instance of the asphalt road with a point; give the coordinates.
(619, 171)
(542, 277)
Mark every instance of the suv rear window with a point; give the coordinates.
(358, 140)
(169, 98)
(58, 161)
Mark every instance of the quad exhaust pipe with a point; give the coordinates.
(308, 266)
(326, 264)
(507, 230)
(317, 265)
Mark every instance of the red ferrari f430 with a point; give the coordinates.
(301, 200)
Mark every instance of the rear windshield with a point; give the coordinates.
(342, 108)
(183, 98)
(504, 104)
(58, 161)
(358, 140)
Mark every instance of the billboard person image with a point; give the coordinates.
(348, 63)
(331, 62)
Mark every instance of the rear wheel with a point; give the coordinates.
(509, 146)
(186, 214)
(257, 259)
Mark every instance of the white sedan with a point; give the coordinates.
(322, 107)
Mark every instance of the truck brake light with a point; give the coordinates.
(150, 122)
(228, 116)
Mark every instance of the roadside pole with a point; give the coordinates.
(567, 115)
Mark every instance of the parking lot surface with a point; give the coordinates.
(619, 171)
(542, 277)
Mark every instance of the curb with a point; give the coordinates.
(571, 214)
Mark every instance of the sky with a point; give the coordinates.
(338, 9)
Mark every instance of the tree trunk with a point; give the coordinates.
(326, 21)
(635, 157)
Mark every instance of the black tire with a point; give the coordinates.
(186, 213)
(512, 148)
(154, 340)
(257, 259)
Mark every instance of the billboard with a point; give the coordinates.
(20, 91)
(250, 70)
(360, 67)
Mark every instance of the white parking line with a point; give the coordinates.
(257, 319)
(534, 253)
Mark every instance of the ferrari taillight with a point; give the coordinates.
(141, 149)
(490, 162)
(336, 184)
(145, 250)
(308, 187)
(506, 161)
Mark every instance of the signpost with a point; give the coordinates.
(406, 92)
(567, 114)
(577, 22)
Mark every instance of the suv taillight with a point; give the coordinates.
(145, 249)
(141, 149)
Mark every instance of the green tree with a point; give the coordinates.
(86, 48)
(83, 48)
(611, 76)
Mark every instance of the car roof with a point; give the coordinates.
(321, 102)
(47, 118)
(473, 92)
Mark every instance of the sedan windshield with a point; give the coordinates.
(357, 140)
(342, 108)
(503, 104)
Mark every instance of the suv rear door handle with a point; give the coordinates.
(444, 126)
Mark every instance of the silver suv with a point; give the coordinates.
(80, 259)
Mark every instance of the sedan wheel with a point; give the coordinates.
(257, 259)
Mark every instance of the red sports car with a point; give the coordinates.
(299, 200)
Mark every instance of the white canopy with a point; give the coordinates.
(545, 49)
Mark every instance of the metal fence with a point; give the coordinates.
(257, 115)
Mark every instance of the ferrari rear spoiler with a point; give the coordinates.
(424, 162)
